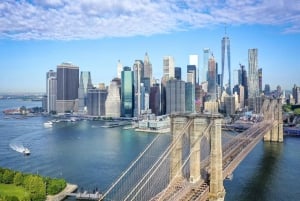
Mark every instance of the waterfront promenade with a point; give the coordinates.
(70, 188)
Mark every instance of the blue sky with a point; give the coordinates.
(37, 35)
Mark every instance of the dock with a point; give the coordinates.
(86, 196)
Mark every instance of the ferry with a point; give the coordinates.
(26, 151)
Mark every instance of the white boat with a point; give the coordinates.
(26, 151)
(48, 124)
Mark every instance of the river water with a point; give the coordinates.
(93, 157)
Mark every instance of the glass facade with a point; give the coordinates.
(127, 91)
(226, 69)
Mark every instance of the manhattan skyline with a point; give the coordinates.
(36, 36)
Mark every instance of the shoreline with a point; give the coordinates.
(70, 188)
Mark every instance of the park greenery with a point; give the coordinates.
(290, 108)
(18, 186)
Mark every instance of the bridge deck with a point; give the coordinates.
(233, 153)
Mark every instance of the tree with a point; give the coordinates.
(8, 177)
(36, 187)
(18, 179)
(54, 186)
(297, 111)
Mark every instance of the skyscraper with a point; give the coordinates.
(67, 88)
(189, 97)
(154, 103)
(193, 70)
(226, 69)
(194, 60)
(147, 68)
(96, 101)
(206, 53)
(168, 67)
(296, 94)
(175, 96)
(211, 79)
(119, 69)
(168, 73)
(85, 83)
(51, 90)
(178, 73)
(260, 80)
(127, 90)
(253, 82)
(112, 103)
(138, 69)
(243, 80)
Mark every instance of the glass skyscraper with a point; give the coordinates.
(206, 53)
(226, 69)
(253, 82)
(127, 90)
(85, 84)
(212, 79)
(67, 88)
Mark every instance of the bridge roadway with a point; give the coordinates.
(233, 153)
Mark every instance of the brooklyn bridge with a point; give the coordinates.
(197, 160)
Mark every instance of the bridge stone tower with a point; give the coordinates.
(197, 126)
(272, 111)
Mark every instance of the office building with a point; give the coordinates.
(189, 97)
(96, 99)
(226, 69)
(67, 88)
(229, 105)
(296, 94)
(154, 97)
(260, 80)
(175, 96)
(178, 73)
(193, 70)
(206, 53)
(267, 89)
(147, 71)
(138, 69)
(51, 91)
(211, 79)
(168, 67)
(253, 83)
(194, 60)
(119, 69)
(113, 102)
(85, 83)
(243, 80)
(127, 90)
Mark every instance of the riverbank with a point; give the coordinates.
(70, 188)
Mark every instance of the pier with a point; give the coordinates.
(86, 196)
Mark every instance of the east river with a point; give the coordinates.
(93, 157)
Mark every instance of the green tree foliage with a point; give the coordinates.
(55, 186)
(287, 108)
(8, 177)
(11, 198)
(18, 179)
(36, 186)
(297, 111)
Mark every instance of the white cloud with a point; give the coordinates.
(75, 19)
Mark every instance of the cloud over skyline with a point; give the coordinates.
(93, 19)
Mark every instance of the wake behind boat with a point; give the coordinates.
(48, 124)
(20, 149)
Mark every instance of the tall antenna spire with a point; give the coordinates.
(225, 29)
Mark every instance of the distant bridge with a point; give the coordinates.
(197, 160)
